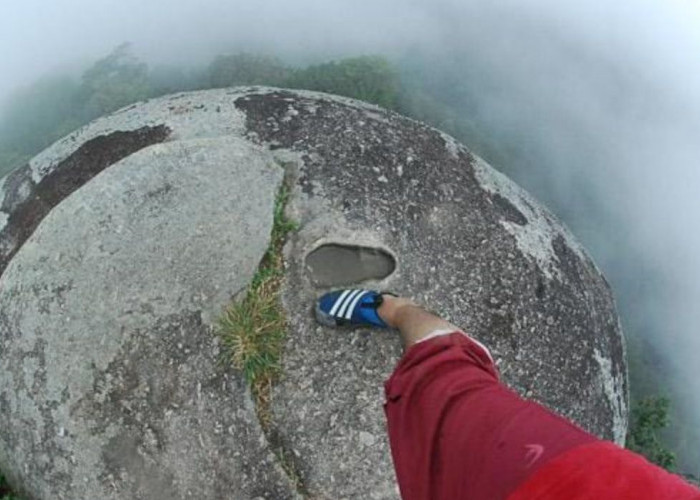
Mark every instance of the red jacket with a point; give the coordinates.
(600, 471)
(457, 433)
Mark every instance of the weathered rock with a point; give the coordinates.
(469, 244)
(109, 374)
(96, 397)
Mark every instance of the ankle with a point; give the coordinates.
(391, 307)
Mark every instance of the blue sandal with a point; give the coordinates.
(350, 306)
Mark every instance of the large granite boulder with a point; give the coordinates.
(121, 244)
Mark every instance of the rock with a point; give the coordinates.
(120, 244)
(109, 374)
(468, 243)
(367, 439)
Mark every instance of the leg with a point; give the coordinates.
(455, 431)
(414, 322)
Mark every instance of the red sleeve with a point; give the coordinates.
(600, 471)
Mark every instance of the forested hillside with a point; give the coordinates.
(52, 107)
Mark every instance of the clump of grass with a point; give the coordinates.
(253, 332)
(253, 329)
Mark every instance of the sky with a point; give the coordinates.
(599, 99)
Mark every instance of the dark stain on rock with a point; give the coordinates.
(569, 262)
(147, 393)
(160, 193)
(540, 290)
(47, 429)
(124, 456)
(398, 177)
(328, 134)
(502, 327)
(508, 210)
(273, 105)
(29, 203)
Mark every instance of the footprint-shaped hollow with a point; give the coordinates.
(336, 264)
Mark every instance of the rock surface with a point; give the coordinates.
(111, 387)
(120, 244)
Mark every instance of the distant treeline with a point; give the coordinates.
(36, 116)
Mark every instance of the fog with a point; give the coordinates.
(593, 106)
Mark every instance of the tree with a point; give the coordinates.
(246, 69)
(649, 416)
(34, 117)
(168, 79)
(369, 78)
(113, 82)
(52, 107)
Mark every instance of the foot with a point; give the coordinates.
(353, 307)
(390, 306)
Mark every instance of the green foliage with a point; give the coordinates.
(51, 108)
(34, 117)
(253, 330)
(369, 78)
(5, 492)
(649, 417)
(168, 79)
(113, 82)
(281, 226)
(246, 69)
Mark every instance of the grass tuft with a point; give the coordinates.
(253, 329)
(253, 332)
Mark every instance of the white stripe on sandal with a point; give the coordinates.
(348, 300)
(348, 313)
(338, 302)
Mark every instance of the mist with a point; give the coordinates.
(592, 106)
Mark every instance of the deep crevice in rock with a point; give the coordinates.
(287, 460)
